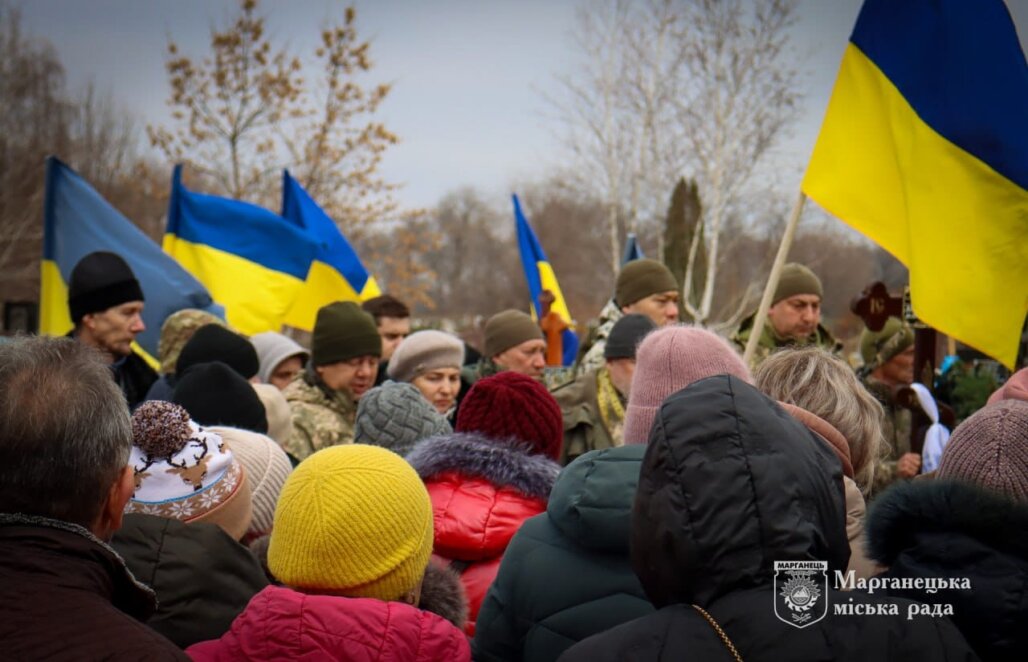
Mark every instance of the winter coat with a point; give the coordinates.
(283, 624)
(203, 578)
(321, 417)
(566, 575)
(64, 595)
(162, 389)
(481, 491)
(584, 427)
(731, 483)
(943, 529)
(770, 341)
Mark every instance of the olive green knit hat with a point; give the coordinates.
(797, 279)
(343, 331)
(642, 278)
(509, 329)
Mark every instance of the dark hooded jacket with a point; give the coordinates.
(951, 530)
(481, 490)
(566, 575)
(731, 483)
(64, 595)
(203, 578)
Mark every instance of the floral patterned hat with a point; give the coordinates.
(185, 472)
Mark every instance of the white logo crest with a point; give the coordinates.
(801, 592)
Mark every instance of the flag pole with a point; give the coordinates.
(772, 280)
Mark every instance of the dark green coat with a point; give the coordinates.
(202, 577)
(566, 574)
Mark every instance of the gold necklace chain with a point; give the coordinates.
(721, 633)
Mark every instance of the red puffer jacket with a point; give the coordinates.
(482, 490)
(282, 624)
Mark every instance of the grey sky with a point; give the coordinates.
(467, 73)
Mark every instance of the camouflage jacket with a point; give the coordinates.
(770, 341)
(584, 426)
(896, 431)
(597, 341)
(551, 379)
(321, 417)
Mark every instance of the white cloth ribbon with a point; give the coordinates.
(937, 437)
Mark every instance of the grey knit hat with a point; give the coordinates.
(274, 348)
(990, 449)
(396, 416)
(423, 351)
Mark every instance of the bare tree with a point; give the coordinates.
(678, 88)
(246, 111)
(741, 91)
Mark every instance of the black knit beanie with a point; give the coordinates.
(626, 335)
(215, 394)
(99, 281)
(214, 342)
(343, 331)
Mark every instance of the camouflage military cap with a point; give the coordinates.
(176, 331)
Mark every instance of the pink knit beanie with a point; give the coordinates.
(1016, 388)
(668, 360)
(990, 449)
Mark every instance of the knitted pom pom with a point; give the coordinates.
(160, 429)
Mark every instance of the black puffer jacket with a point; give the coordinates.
(566, 575)
(203, 578)
(957, 531)
(730, 484)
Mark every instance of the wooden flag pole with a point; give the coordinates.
(772, 281)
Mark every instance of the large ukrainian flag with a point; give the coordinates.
(336, 274)
(78, 221)
(252, 261)
(924, 149)
(540, 276)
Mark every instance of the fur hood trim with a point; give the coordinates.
(443, 595)
(908, 509)
(504, 463)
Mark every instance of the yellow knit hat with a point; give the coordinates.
(354, 520)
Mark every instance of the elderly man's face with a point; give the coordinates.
(796, 317)
(528, 358)
(899, 370)
(113, 330)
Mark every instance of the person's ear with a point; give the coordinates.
(113, 510)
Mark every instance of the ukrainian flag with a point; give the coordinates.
(540, 276)
(336, 273)
(252, 261)
(924, 149)
(78, 221)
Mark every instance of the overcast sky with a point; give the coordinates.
(467, 74)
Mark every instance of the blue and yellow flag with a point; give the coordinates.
(924, 149)
(540, 276)
(633, 251)
(253, 262)
(78, 221)
(336, 274)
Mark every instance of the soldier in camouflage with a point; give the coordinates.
(793, 319)
(888, 366)
(644, 287)
(513, 341)
(345, 351)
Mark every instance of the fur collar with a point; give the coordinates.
(908, 509)
(502, 463)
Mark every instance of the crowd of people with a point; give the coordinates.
(386, 494)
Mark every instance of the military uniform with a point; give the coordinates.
(593, 412)
(593, 359)
(770, 341)
(321, 417)
(896, 430)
